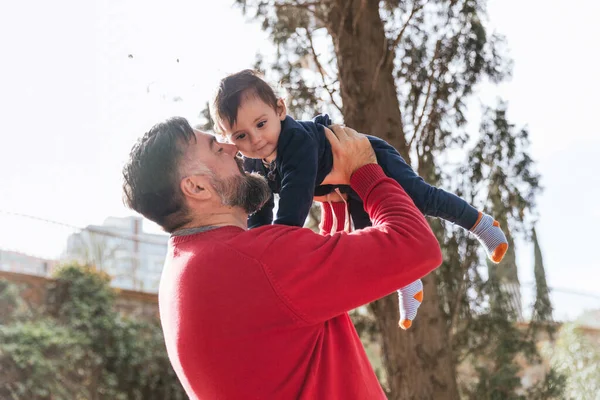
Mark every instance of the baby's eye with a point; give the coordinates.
(261, 124)
(241, 136)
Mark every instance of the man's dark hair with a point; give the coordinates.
(151, 181)
(231, 92)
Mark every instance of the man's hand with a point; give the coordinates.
(351, 150)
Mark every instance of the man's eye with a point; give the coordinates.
(220, 150)
(261, 124)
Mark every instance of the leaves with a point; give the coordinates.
(81, 348)
(576, 356)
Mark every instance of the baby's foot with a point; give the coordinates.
(488, 232)
(409, 298)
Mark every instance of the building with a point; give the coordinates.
(122, 249)
(13, 261)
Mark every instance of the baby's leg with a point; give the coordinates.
(409, 300)
(430, 200)
(360, 218)
(410, 297)
(436, 202)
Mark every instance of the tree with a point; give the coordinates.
(109, 253)
(486, 336)
(207, 124)
(542, 308)
(78, 347)
(405, 71)
(577, 356)
(95, 248)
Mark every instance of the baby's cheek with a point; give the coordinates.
(246, 153)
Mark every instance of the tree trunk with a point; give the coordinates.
(370, 105)
(418, 362)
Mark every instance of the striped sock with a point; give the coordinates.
(409, 298)
(489, 234)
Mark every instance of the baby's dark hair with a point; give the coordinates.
(231, 92)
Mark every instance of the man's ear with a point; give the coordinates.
(281, 109)
(196, 187)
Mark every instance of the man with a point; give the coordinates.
(262, 313)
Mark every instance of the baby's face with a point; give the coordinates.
(257, 128)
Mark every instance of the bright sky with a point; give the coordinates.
(72, 103)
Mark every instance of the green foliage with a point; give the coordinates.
(501, 169)
(208, 124)
(42, 360)
(82, 298)
(552, 387)
(542, 308)
(9, 298)
(81, 348)
(500, 173)
(492, 344)
(576, 356)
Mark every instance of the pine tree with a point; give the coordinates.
(542, 307)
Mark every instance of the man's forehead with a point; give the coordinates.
(202, 135)
(198, 150)
(204, 138)
(200, 144)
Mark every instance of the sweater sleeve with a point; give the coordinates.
(298, 171)
(319, 277)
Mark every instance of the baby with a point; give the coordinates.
(295, 156)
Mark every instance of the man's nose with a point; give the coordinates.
(230, 149)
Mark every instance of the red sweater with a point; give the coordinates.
(262, 313)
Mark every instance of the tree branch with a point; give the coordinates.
(415, 9)
(455, 312)
(430, 84)
(345, 13)
(295, 4)
(382, 61)
(388, 50)
(442, 72)
(321, 71)
(305, 6)
(363, 4)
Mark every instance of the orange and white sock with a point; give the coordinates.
(488, 232)
(409, 298)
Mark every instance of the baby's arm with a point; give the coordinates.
(298, 158)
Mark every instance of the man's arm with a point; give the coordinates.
(320, 277)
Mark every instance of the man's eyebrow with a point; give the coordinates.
(212, 142)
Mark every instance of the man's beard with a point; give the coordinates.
(247, 191)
